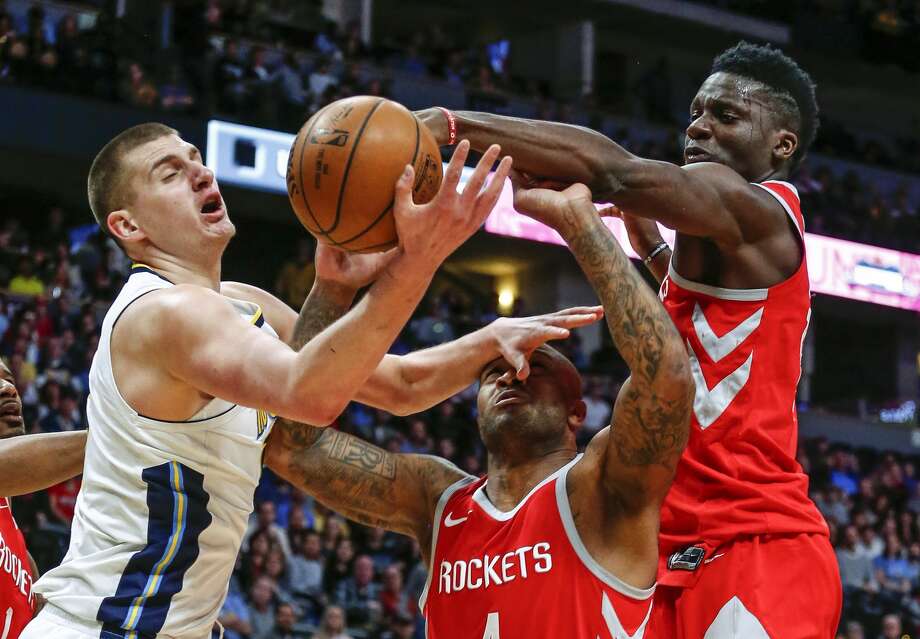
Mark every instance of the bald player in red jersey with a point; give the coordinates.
(744, 551)
(17, 570)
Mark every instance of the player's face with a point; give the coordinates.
(177, 203)
(11, 423)
(539, 405)
(731, 125)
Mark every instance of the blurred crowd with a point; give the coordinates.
(871, 501)
(273, 63)
(882, 31)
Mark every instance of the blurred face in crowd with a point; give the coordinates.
(266, 514)
(891, 627)
(176, 206)
(285, 617)
(345, 551)
(334, 619)
(364, 570)
(262, 592)
(546, 409)
(392, 579)
(403, 628)
(732, 123)
(11, 422)
(855, 631)
(851, 536)
(312, 548)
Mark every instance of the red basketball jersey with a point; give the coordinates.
(523, 573)
(15, 576)
(739, 475)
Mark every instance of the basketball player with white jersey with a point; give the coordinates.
(175, 442)
(551, 543)
(745, 554)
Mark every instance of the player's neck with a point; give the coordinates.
(511, 480)
(180, 271)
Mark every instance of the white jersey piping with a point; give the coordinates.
(568, 523)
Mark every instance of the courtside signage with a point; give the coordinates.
(257, 158)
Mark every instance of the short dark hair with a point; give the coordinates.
(106, 186)
(788, 85)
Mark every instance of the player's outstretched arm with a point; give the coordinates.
(365, 483)
(225, 357)
(351, 476)
(406, 384)
(36, 462)
(628, 467)
(704, 199)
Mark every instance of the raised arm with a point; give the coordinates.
(704, 199)
(406, 384)
(628, 467)
(36, 462)
(348, 475)
(225, 357)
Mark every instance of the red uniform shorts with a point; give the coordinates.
(767, 587)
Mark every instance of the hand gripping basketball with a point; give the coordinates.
(430, 232)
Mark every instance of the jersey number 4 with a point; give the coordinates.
(491, 631)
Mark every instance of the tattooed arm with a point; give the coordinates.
(617, 489)
(348, 475)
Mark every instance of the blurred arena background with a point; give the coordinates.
(238, 77)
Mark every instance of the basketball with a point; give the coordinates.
(343, 167)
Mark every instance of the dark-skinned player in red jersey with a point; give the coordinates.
(744, 552)
(17, 569)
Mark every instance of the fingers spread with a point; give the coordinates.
(490, 196)
(455, 167)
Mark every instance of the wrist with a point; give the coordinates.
(578, 216)
(333, 292)
(451, 121)
(658, 249)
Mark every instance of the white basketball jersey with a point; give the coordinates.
(163, 507)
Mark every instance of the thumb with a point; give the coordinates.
(555, 332)
(522, 369)
(518, 360)
(403, 195)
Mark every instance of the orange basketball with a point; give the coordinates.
(343, 168)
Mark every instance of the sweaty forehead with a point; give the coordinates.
(729, 88)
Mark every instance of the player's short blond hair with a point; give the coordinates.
(107, 186)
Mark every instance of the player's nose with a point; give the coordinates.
(508, 378)
(202, 177)
(699, 129)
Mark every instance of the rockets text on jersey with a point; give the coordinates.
(523, 573)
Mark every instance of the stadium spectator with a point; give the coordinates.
(333, 625)
(358, 595)
(261, 608)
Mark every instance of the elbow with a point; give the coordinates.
(401, 404)
(315, 411)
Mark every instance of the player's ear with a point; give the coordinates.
(577, 415)
(785, 145)
(123, 227)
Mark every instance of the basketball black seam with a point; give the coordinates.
(303, 193)
(351, 155)
(389, 207)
